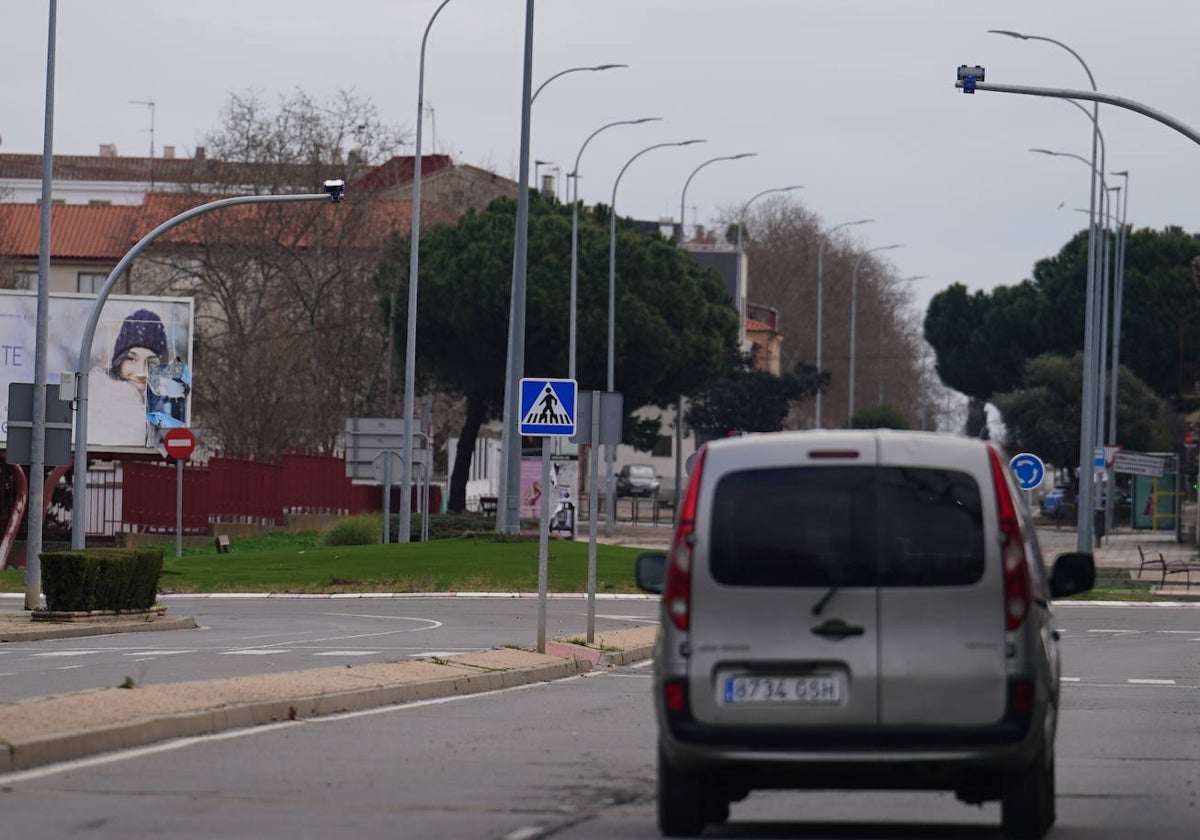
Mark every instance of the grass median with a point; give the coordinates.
(300, 564)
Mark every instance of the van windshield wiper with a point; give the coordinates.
(820, 605)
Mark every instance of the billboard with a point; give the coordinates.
(139, 370)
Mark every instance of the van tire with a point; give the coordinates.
(681, 805)
(1027, 801)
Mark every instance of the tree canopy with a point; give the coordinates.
(1043, 416)
(750, 400)
(674, 321)
(982, 339)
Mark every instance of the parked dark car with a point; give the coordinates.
(638, 480)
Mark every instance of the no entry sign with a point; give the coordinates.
(179, 443)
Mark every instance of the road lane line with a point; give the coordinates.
(1151, 682)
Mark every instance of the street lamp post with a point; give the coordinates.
(679, 240)
(1097, 285)
(1118, 295)
(1087, 436)
(853, 314)
(574, 176)
(609, 453)
(334, 193)
(410, 343)
(740, 291)
(508, 513)
(821, 240)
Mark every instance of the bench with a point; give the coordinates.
(1167, 567)
(488, 505)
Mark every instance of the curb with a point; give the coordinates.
(36, 751)
(152, 714)
(40, 631)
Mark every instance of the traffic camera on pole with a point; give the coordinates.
(969, 74)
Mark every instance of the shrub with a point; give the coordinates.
(362, 529)
(101, 579)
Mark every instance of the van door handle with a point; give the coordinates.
(835, 628)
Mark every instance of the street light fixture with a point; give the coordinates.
(410, 345)
(679, 241)
(574, 176)
(740, 291)
(853, 313)
(508, 513)
(821, 240)
(1087, 436)
(609, 454)
(572, 70)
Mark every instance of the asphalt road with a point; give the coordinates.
(239, 636)
(574, 759)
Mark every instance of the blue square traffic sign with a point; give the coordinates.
(548, 407)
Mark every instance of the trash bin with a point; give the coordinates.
(1098, 523)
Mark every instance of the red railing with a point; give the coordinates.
(236, 490)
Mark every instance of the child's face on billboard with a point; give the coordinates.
(136, 366)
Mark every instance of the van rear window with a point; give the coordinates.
(847, 526)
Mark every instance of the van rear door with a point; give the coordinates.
(783, 596)
(941, 595)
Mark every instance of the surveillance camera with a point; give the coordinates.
(967, 71)
(336, 189)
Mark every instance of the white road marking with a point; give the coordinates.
(1069, 679)
(346, 653)
(253, 652)
(1151, 682)
(55, 653)
(158, 652)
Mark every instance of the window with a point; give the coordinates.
(91, 282)
(663, 447)
(25, 280)
(847, 526)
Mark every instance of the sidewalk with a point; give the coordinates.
(73, 726)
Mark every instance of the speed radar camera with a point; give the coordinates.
(969, 74)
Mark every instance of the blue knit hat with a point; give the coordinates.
(141, 329)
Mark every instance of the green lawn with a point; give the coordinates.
(450, 565)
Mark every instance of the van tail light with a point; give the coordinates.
(678, 589)
(1012, 547)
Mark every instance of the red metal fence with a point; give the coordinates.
(234, 490)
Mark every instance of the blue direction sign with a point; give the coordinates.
(1028, 469)
(548, 407)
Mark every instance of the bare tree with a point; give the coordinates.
(291, 330)
(782, 238)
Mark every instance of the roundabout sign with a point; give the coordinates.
(1028, 469)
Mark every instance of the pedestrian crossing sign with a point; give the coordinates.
(548, 407)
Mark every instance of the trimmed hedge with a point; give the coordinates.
(116, 579)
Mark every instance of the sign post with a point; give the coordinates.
(547, 410)
(179, 443)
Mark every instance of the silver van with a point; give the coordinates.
(856, 610)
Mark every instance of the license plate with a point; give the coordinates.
(809, 689)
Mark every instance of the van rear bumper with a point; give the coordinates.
(889, 740)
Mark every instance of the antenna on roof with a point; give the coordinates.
(149, 103)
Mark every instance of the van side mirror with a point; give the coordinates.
(1073, 572)
(650, 571)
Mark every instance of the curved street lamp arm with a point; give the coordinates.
(78, 523)
(574, 173)
(683, 196)
(571, 70)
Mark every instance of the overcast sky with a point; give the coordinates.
(854, 99)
